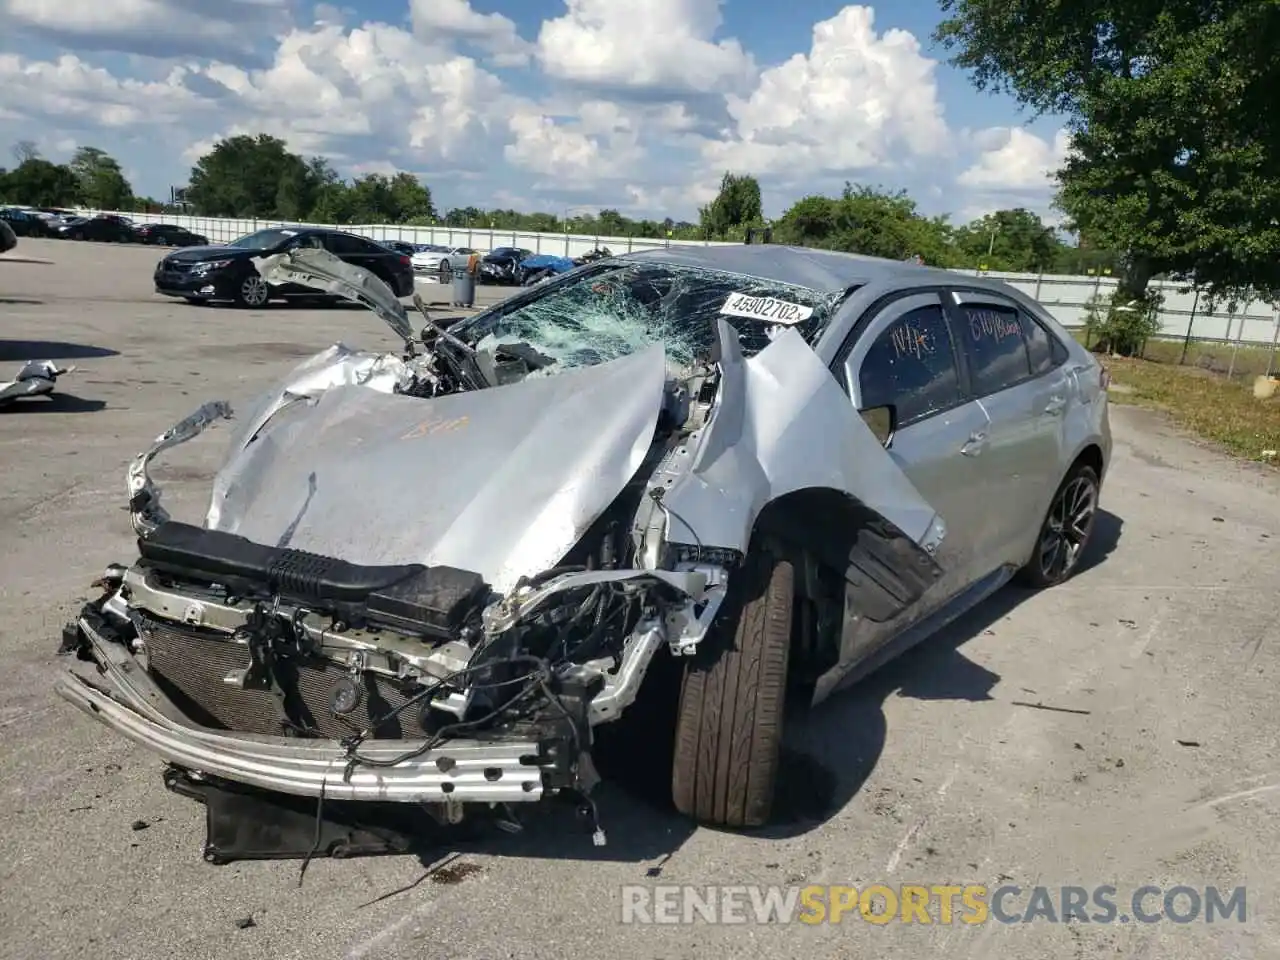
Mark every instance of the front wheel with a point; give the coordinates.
(253, 291)
(729, 724)
(1066, 530)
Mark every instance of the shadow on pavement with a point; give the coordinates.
(23, 350)
(53, 403)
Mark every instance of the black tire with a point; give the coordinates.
(196, 301)
(729, 723)
(446, 272)
(1069, 522)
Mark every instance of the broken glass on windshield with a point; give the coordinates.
(599, 315)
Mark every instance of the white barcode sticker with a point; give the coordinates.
(765, 308)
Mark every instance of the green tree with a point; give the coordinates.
(871, 221)
(40, 183)
(1013, 240)
(737, 205)
(465, 217)
(410, 199)
(102, 183)
(245, 176)
(401, 198)
(1175, 148)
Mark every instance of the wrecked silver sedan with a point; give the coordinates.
(426, 577)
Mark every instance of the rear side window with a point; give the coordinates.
(912, 367)
(1043, 348)
(341, 243)
(997, 351)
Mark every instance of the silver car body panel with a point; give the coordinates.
(782, 425)
(500, 481)
(317, 268)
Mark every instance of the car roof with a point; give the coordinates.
(826, 271)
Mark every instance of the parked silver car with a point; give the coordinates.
(440, 261)
(427, 577)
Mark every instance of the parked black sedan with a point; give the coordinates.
(106, 227)
(25, 223)
(203, 274)
(169, 235)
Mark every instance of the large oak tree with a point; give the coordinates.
(1171, 103)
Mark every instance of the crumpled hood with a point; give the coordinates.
(502, 482)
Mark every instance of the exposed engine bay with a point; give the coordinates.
(425, 577)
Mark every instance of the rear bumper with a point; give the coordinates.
(403, 285)
(125, 699)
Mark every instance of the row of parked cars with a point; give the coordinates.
(104, 227)
(501, 266)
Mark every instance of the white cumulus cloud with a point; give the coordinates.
(856, 101)
(1014, 159)
(607, 103)
(667, 46)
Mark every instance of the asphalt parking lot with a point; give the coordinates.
(1120, 729)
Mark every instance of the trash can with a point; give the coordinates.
(464, 287)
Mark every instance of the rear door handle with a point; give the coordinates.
(1055, 406)
(976, 443)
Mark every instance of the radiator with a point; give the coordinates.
(190, 665)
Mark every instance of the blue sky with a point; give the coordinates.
(535, 104)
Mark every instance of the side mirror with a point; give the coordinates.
(880, 421)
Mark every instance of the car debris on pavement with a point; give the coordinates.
(35, 378)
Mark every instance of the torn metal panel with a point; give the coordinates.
(783, 424)
(321, 270)
(500, 481)
(35, 378)
(145, 511)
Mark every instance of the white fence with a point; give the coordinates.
(1066, 297)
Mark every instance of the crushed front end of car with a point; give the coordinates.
(423, 579)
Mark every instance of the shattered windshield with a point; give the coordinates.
(620, 307)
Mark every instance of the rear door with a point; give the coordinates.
(905, 358)
(1023, 385)
(360, 252)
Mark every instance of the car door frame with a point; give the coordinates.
(1024, 526)
(862, 638)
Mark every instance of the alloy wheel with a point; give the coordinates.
(1067, 528)
(254, 291)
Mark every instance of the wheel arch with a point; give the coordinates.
(1091, 455)
(846, 556)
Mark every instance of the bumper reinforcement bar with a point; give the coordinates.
(458, 771)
